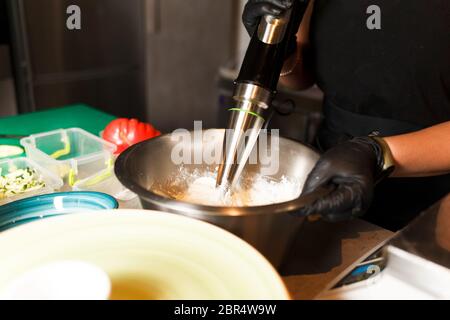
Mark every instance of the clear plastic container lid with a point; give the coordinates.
(51, 181)
(107, 182)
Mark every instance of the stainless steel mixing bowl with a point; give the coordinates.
(270, 228)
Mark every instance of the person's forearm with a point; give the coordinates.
(422, 153)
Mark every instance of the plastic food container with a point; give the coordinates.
(73, 154)
(109, 184)
(52, 181)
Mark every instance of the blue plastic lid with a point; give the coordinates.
(44, 206)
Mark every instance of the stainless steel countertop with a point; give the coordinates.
(322, 251)
(417, 262)
(428, 236)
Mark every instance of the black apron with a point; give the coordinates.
(392, 81)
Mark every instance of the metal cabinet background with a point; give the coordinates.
(153, 59)
(102, 64)
(192, 39)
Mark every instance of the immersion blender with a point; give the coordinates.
(255, 89)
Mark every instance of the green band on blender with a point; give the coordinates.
(247, 111)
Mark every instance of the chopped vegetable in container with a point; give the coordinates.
(20, 181)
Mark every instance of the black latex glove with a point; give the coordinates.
(255, 9)
(351, 170)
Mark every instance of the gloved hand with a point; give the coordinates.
(351, 169)
(255, 9)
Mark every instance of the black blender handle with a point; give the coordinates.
(263, 62)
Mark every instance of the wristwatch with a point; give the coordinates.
(388, 165)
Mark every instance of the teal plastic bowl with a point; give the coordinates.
(55, 204)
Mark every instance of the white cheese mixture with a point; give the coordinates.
(19, 181)
(263, 191)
